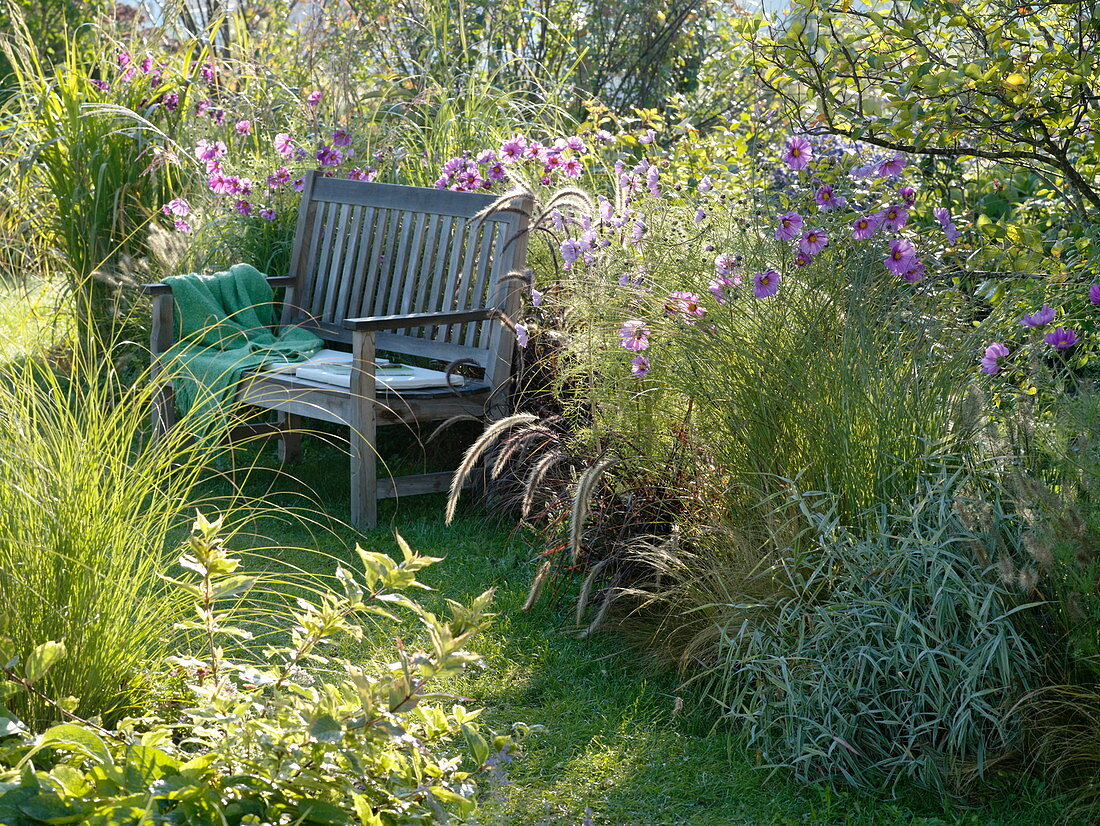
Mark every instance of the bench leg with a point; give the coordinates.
(290, 438)
(164, 411)
(364, 467)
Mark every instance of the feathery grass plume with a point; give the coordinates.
(513, 444)
(535, 477)
(586, 588)
(445, 425)
(601, 615)
(474, 453)
(582, 505)
(536, 585)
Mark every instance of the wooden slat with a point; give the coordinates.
(382, 218)
(411, 271)
(400, 269)
(416, 485)
(392, 196)
(352, 299)
(309, 277)
(328, 248)
(385, 282)
(427, 294)
(479, 289)
(364, 466)
(340, 251)
(427, 262)
(459, 283)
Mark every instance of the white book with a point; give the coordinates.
(334, 367)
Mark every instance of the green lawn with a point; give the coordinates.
(614, 745)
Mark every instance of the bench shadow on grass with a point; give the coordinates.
(613, 747)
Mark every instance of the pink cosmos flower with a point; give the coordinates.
(721, 286)
(1061, 338)
(522, 337)
(634, 335)
(513, 148)
(1039, 318)
(171, 101)
(182, 226)
(689, 306)
(863, 228)
(329, 156)
(652, 181)
(700, 215)
(891, 167)
(243, 127)
(603, 136)
(725, 264)
(102, 85)
(895, 217)
(1094, 294)
(908, 195)
(208, 71)
(267, 213)
(993, 353)
(313, 98)
(283, 144)
(790, 226)
(649, 137)
(765, 284)
(299, 184)
(813, 241)
(947, 224)
(901, 257)
(571, 250)
(177, 207)
(341, 138)
(828, 200)
(220, 183)
(803, 260)
(536, 297)
(638, 231)
(798, 154)
(576, 143)
(572, 167)
(640, 367)
(123, 58)
(243, 207)
(705, 185)
(209, 150)
(916, 271)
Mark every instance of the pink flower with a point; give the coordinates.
(908, 195)
(513, 148)
(700, 215)
(828, 200)
(576, 143)
(901, 257)
(522, 337)
(208, 71)
(765, 284)
(891, 167)
(341, 138)
(705, 185)
(721, 286)
(947, 224)
(209, 151)
(220, 183)
(993, 353)
(572, 167)
(177, 207)
(313, 98)
(790, 226)
(798, 154)
(640, 366)
(1061, 338)
(689, 306)
(649, 137)
(182, 226)
(329, 156)
(803, 260)
(1094, 294)
(243, 127)
(863, 228)
(171, 101)
(813, 241)
(895, 217)
(536, 297)
(634, 335)
(725, 264)
(1039, 318)
(915, 272)
(243, 207)
(283, 144)
(267, 213)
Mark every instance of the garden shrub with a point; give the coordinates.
(282, 734)
(882, 655)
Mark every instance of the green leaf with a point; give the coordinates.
(74, 738)
(476, 743)
(42, 659)
(326, 729)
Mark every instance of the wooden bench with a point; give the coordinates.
(403, 270)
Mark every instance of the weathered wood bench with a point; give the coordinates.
(404, 270)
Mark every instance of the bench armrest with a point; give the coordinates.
(397, 322)
(160, 288)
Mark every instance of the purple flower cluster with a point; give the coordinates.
(560, 157)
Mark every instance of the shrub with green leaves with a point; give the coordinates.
(288, 734)
(879, 655)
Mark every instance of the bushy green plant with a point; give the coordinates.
(85, 505)
(289, 735)
(880, 655)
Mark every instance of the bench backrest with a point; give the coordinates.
(368, 249)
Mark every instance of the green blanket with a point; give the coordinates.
(224, 327)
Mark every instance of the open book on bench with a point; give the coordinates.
(334, 367)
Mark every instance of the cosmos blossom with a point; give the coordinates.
(891, 167)
(634, 335)
(689, 306)
(864, 227)
(813, 241)
(947, 224)
(1039, 318)
(798, 154)
(1061, 338)
(790, 226)
(1094, 294)
(993, 353)
(901, 257)
(829, 200)
(895, 217)
(765, 284)
(640, 366)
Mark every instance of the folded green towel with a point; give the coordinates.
(224, 327)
